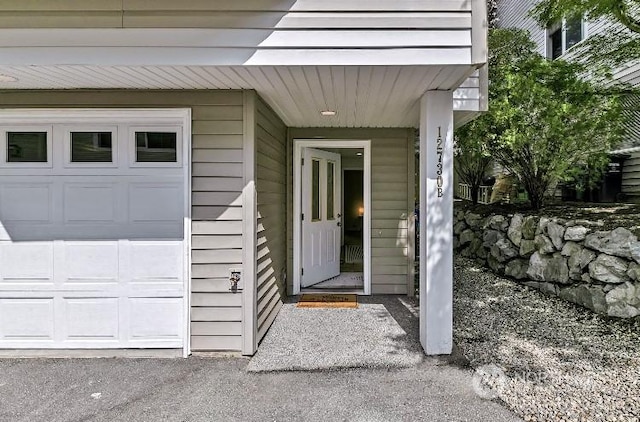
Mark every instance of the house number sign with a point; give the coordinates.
(439, 153)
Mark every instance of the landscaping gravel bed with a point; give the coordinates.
(547, 359)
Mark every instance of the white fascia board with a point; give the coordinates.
(235, 38)
(158, 56)
(232, 47)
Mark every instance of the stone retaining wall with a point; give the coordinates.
(571, 259)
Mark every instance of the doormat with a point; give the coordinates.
(328, 301)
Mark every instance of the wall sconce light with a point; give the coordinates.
(360, 211)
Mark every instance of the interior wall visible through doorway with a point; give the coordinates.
(353, 191)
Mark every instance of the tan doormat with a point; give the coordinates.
(328, 301)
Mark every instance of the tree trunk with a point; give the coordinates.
(536, 197)
(475, 190)
(536, 187)
(536, 203)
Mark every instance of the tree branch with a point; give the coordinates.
(621, 12)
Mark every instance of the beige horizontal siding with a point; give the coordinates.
(271, 185)
(392, 194)
(217, 173)
(216, 190)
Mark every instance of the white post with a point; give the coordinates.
(249, 229)
(436, 222)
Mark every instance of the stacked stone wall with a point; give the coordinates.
(573, 259)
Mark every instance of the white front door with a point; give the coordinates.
(321, 216)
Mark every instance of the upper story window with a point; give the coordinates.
(565, 35)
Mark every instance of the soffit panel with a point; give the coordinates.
(362, 96)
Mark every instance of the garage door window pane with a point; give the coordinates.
(91, 147)
(156, 147)
(27, 147)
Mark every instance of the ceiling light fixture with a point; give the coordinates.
(359, 154)
(7, 78)
(328, 113)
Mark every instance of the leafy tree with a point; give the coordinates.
(544, 119)
(608, 49)
(623, 11)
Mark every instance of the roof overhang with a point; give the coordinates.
(377, 83)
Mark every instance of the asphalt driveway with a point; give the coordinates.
(220, 389)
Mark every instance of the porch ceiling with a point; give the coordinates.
(361, 96)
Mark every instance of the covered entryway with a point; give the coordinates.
(93, 252)
(329, 256)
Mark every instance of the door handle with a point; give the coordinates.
(339, 224)
(339, 215)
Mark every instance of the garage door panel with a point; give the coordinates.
(39, 255)
(155, 319)
(27, 319)
(92, 256)
(88, 319)
(171, 231)
(157, 290)
(89, 262)
(90, 202)
(155, 202)
(156, 261)
(26, 202)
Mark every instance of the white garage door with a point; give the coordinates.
(92, 250)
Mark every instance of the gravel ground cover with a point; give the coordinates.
(546, 359)
(315, 339)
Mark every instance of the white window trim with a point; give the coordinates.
(4, 163)
(133, 159)
(115, 159)
(563, 27)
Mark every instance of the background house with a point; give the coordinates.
(560, 41)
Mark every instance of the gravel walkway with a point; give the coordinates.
(370, 336)
(546, 359)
